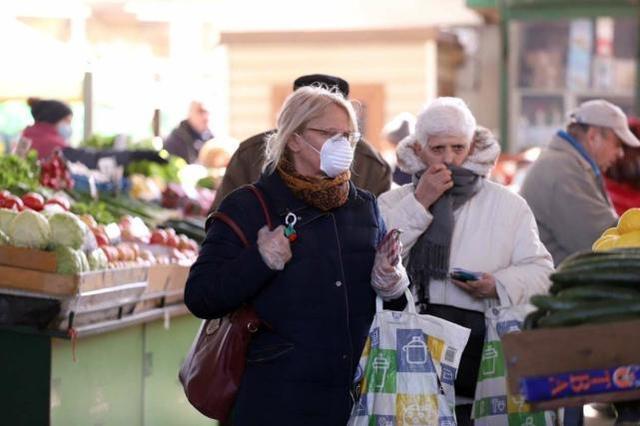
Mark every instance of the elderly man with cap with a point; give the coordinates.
(370, 171)
(564, 187)
(52, 127)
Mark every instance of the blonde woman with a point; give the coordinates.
(316, 291)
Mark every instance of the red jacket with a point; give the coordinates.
(44, 138)
(623, 196)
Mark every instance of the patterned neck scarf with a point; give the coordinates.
(323, 193)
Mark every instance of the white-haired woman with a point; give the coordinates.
(453, 217)
(315, 290)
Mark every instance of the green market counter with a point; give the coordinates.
(125, 372)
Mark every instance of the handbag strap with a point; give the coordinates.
(223, 217)
(263, 203)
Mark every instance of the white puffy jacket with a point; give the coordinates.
(494, 232)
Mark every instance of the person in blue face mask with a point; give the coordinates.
(52, 127)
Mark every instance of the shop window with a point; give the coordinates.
(556, 65)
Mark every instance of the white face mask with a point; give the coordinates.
(336, 155)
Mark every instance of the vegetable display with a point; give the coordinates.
(591, 287)
(19, 173)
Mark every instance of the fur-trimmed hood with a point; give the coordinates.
(483, 155)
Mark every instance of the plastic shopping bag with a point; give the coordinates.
(494, 405)
(407, 369)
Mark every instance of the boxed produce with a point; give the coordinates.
(84, 259)
(580, 345)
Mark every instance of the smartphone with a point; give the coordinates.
(394, 235)
(464, 275)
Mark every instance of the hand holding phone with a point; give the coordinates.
(464, 275)
(390, 246)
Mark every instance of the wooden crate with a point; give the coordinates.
(175, 285)
(153, 296)
(53, 284)
(84, 298)
(25, 258)
(166, 286)
(550, 351)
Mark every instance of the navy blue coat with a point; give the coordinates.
(320, 306)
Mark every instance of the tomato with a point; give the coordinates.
(173, 240)
(101, 239)
(62, 202)
(158, 236)
(33, 200)
(12, 202)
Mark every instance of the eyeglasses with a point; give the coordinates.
(352, 137)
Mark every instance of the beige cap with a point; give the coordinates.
(605, 114)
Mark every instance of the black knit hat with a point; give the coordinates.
(322, 79)
(49, 111)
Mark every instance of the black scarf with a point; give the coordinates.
(429, 257)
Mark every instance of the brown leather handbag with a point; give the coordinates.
(213, 368)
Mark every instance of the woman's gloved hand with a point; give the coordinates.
(274, 247)
(388, 276)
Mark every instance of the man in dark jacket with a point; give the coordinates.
(369, 171)
(186, 140)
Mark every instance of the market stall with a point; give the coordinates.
(92, 278)
(579, 346)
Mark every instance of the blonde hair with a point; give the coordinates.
(300, 107)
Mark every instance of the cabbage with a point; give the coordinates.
(30, 229)
(4, 239)
(67, 230)
(98, 260)
(84, 262)
(68, 260)
(6, 216)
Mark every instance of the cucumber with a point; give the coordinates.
(597, 277)
(558, 287)
(551, 303)
(582, 258)
(605, 263)
(600, 292)
(591, 312)
(578, 256)
(531, 320)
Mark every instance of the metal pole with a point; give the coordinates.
(87, 98)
